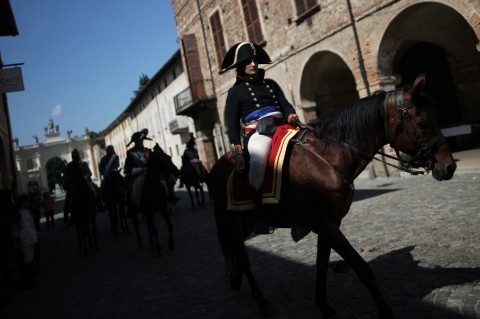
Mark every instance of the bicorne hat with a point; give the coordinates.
(138, 136)
(241, 52)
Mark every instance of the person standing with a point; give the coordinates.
(26, 239)
(48, 205)
(260, 105)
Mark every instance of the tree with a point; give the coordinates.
(142, 81)
(55, 167)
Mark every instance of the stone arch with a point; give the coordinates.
(436, 39)
(327, 85)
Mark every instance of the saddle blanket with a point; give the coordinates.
(239, 193)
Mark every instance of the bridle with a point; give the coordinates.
(425, 156)
(425, 148)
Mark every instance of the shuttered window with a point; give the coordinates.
(252, 21)
(194, 67)
(217, 33)
(304, 5)
(305, 9)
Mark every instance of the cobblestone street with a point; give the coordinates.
(420, 236)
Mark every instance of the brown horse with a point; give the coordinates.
(320, 167)
(193, 177)
(153, 198)
(83, 207)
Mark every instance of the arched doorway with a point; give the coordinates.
(432, 59)
(328, 84)
(436, 39)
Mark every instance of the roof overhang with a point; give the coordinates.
(8, 26)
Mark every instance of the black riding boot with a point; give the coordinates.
(261, 223)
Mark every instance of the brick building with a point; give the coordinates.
(328, 53)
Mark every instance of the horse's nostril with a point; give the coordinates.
(451, 168)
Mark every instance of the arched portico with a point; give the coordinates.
(436, 39)
(327, 85)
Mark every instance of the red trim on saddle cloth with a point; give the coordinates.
(239, 193)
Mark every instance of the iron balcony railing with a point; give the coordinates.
(198, 91)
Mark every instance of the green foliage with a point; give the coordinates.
(55, 167)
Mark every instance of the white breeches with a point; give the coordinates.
(259, 149)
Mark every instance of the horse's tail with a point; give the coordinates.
(229, 225)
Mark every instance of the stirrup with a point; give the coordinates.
(261, 227)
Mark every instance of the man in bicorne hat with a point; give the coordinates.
(136, 161)
(261, 105)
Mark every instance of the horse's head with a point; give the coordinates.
(412, 127)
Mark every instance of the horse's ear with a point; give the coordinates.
(419, 82)
(417, 87)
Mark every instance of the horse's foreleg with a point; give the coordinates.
(323, 257)
(137, 228)
(93, 223)
(166, 215)
(202, 195)
(342, 246)
(190, 195)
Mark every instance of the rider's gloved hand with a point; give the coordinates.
(293, 120)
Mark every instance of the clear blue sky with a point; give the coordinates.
(83, 60)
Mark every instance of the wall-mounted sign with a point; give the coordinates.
(11, 80)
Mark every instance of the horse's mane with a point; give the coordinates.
(358, 125)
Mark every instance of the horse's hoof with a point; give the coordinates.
(327, 310)
(267, 311)
(235, 283)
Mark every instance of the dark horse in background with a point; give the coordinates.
(320, 167)
(193, 175)
(83, 208)
(114, 191)
(151, 192)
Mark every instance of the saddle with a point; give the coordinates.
(239, 192)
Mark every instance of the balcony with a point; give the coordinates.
(191, 100)
(178, 125)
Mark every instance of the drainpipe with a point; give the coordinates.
(364, 78)
(359, 49)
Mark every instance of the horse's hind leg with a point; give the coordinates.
(137, 229)
(113, 213)
(153, 232)
(123, 218)
(265, 307)
(171, 242)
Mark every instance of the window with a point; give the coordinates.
(29, 164)
(252, 21)
(305, 9)
(217, 33)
